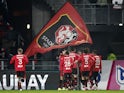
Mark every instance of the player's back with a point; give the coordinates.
(97, 65)
(86, 62)
(67, 64)
(20, 62)
(74, 57)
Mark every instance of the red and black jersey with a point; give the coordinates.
(86, 62)
(19, 61)
(66, 64)
(97, 63)
(74, 57)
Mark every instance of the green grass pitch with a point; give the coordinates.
(62, 91)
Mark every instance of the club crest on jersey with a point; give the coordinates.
(120, 75)
(65, 34)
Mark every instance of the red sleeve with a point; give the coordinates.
(71, 59)
(12, 60)
(76, 57)
(92, 60)
(79, 58)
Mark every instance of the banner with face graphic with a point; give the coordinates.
(111, 78)
(66, 28)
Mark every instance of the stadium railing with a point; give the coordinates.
(39, 65)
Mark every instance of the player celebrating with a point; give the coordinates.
(66, 68)
(19, 60)
(85, 68)
(61, 70)
(96, 69)
(74, 57)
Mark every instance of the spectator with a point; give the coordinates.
(111, 56)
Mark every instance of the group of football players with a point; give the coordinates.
(79, 66)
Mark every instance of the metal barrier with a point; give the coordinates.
(2, 63)
(39, 65)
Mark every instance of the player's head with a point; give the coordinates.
(20, 50)
(79, 52)
(67, 52)
(94, 52)
(73, 49)
(64, 51)
(86, 50)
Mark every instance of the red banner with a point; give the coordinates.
(66, 28)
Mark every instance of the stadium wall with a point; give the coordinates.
(112, 78)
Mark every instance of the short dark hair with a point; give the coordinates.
(20, 50)
(94, 51)
(73, 49)
(86, 50)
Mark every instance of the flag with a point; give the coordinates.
(66, 28)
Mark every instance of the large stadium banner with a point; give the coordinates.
(35, 80)
(66, 28)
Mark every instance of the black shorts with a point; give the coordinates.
(67, 76)
(20, 74)
(85, 73)
(94, 75)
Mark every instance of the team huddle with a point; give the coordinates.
(83, 66)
